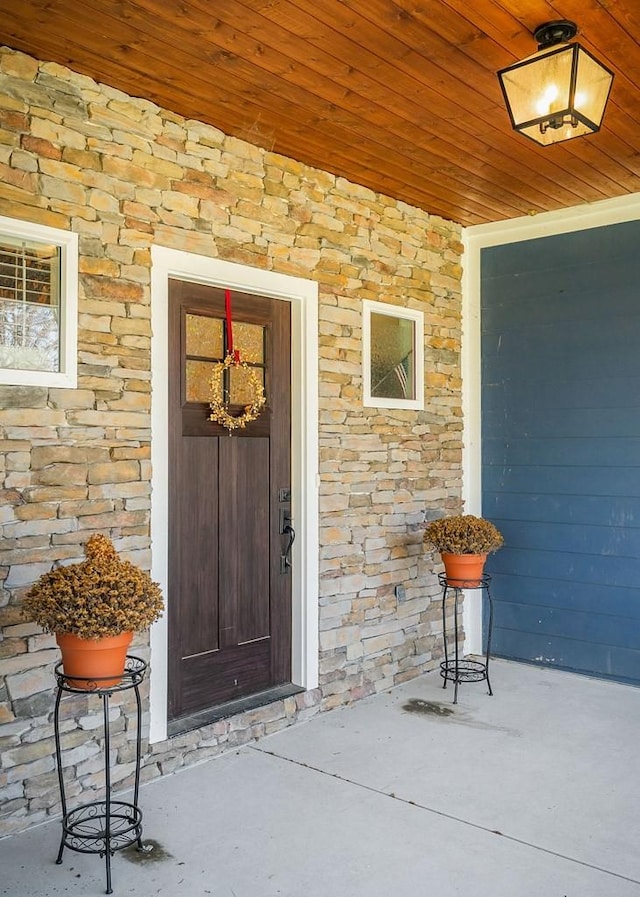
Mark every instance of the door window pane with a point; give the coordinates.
(204, 339)
(198, 388)
(249, 339)
(204, 336)
(241, 392)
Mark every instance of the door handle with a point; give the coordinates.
(285, 559)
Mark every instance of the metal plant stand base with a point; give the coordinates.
(102, 826)
(457, 669)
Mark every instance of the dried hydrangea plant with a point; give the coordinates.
(463, 534)
(102, 596)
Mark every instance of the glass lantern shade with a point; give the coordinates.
(557, 93)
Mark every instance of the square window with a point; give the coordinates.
(38, 305)
(393, 356)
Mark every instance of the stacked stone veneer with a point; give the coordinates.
(124, 175)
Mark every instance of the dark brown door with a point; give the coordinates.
(229, 601)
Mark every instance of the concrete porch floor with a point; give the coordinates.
(530, 793)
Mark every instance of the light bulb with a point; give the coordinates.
(543, 106)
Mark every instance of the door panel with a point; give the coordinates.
(197, 563)
(229, 604)
(244, 525)
(207, 679)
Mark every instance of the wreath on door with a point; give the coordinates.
(219, 403)
(220, 408)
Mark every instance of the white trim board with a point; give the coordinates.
(475, 239)
(303, 296)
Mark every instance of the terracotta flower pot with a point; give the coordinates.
(463, 570)
(91, 664)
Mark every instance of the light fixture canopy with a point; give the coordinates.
(559, 92)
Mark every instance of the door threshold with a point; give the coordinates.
(231, 708)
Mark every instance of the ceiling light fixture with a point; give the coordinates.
(558, 93)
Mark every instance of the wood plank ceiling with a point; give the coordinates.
(398, 95)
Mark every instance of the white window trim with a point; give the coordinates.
(67, 376)
(370, 307)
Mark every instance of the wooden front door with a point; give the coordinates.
(229, 500)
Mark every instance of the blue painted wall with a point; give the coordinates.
(561, 448)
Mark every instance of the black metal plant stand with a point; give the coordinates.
(102, 826)
(459, 669)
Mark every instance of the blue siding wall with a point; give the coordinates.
(561, 448)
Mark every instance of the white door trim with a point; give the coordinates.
(303, 296)
(475, 239)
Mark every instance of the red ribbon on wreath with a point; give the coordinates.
(220, 403)
(235, 354)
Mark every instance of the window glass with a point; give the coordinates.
(198, 380)
(392, 361)
(29, 305)
(204, 340)
(204, 336)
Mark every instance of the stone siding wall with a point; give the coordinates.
(125, 174)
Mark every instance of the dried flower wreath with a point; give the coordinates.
(220, 409)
